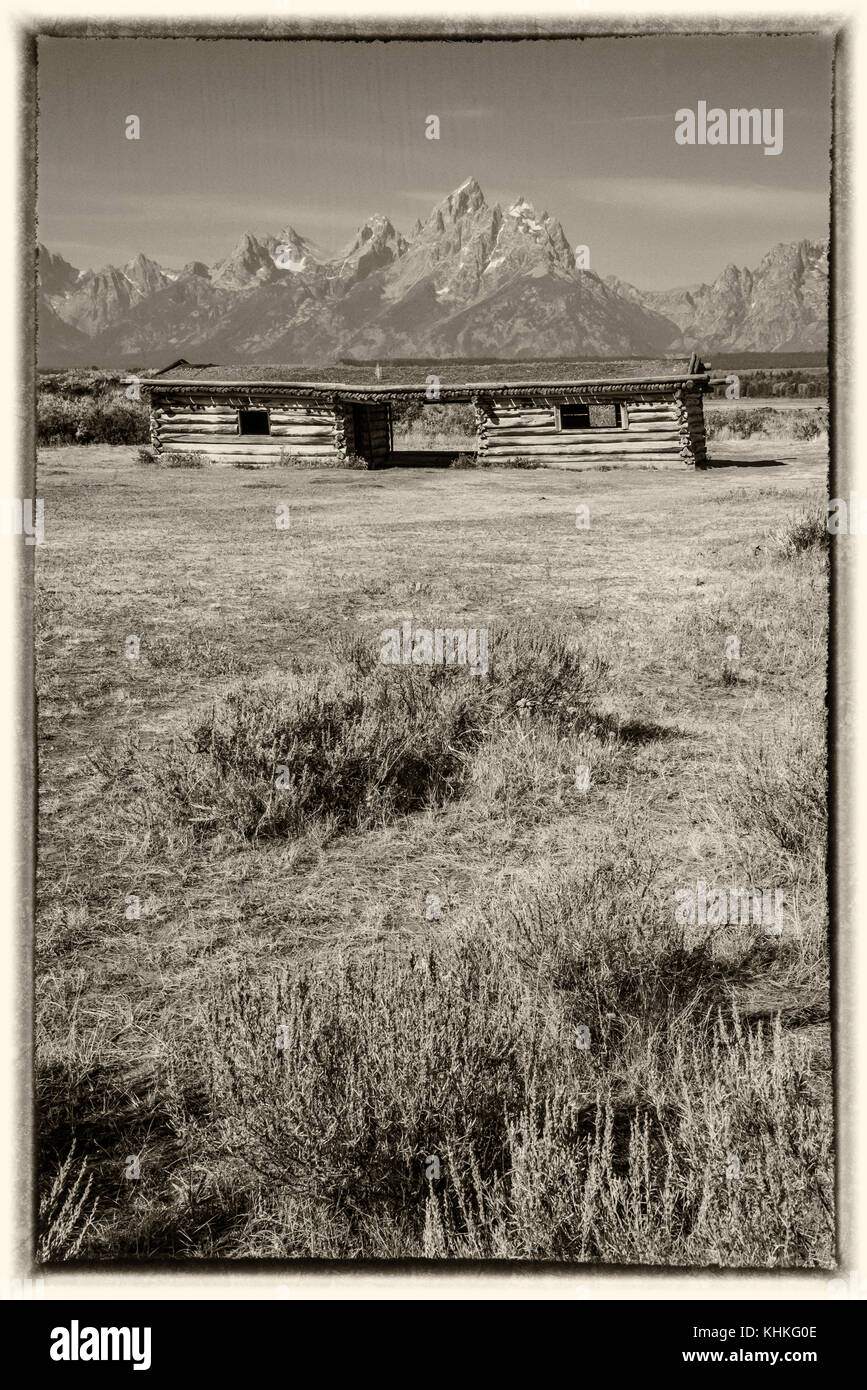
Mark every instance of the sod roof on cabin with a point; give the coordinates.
(451, 374)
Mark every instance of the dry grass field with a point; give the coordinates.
(430, 998)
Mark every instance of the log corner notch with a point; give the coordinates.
(693, 433)
(483, 413)
(153, 426)
(344, 433)
(693, 437)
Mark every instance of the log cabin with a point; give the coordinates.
(610, 411)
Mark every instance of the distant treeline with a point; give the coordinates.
(794, 381)
(726, 361)
(752, 361)
(768, 374)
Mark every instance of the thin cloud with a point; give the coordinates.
(250, 212)
(623, 120)
(735, 202)
(473, 113)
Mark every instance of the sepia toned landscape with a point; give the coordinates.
(432, 731)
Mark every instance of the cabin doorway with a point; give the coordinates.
(371, 432)
(433, 433)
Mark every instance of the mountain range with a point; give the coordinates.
(473, 280)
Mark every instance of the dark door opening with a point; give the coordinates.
(371, 428)
(361, 432)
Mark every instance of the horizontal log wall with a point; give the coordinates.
(510, 429)
(662, 427)
(208, 425)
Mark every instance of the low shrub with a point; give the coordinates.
(519, 461)
(766, 423)
(112, 420)
(806, 530)
(177, 458)
(783, 787)
(358, 745)
(428, 421)
(485, 461)
(286, 459)
(556, 1078)
(66, 1211)
(89, 408)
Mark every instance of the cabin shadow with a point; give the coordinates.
(428, 458)
(723, 462)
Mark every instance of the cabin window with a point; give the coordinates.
(253, 422)
(606, 416)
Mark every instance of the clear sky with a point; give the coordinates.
(241, 135)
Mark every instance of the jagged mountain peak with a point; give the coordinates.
(378, 228)
(248, 263)
(140, 260)
(290, 237)
(247, 241)
(56, 275)
(467, 198)
(375, 246)
(378, 221)
(292, 252)
(536, 243)
(779, 306)
(472, 280)
(470, 189)
(248, 244)
(145, 274)
(451, 250)
(523, 211)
